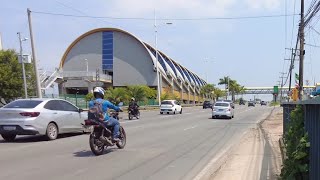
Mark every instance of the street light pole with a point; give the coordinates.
(23, 69)
(159, 86)
(156, 48)
(206, 69)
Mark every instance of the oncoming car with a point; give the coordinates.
(170, 106)
(48, 117)
(222, 109)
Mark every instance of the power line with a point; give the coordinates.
(175, 19)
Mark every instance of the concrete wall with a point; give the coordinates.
(132, 62)
(90, 48)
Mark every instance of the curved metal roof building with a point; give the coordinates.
(114, 57)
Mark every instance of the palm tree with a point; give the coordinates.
(207, 90)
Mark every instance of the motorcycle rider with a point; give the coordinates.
(98, 94)
(134, 105)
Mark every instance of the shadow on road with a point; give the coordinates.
(38, 138)
(86, 153)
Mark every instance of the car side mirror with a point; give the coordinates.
(80, 110)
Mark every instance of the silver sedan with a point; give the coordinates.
(48, 117)
(223, 109)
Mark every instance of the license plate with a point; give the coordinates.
(220, 109)
(9, 128)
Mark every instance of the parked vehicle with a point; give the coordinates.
(101, 136)
(251, 103)
(241, 102)
(48, 117)
(170, 106)
(222, 109)
(207, 104)
(133, 112)
(263, 103)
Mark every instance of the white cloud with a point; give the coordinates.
(263, 4)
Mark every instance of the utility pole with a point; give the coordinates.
(23, 68)
(291, 68)
(39, 93)
(301, 33)
(281, 89)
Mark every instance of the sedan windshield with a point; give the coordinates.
(222, 104)
(29, 104)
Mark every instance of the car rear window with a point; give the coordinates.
(29, 104)
(206, 102)
(222, 104)
(166, 102)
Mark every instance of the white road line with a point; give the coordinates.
(191, 127)
(187, 113)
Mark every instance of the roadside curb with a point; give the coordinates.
(282, 149)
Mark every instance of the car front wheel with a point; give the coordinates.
(8, 137)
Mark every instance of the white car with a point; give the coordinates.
(170, 106)
(222, 109)
(48, 117)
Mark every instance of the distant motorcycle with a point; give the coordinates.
(101, 136)
(133, 112)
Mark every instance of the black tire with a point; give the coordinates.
(9, 137)
(180, 111)
(138, 115)
(130, 117)
(213, 117)
(123, 139)
(52, 131)
(97, 149)
(175, 111)
(161, 112)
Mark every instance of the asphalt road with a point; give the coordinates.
(158, 146)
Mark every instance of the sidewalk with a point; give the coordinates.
(258, 155)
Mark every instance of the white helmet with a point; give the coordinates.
(99, 90)
(133, 99)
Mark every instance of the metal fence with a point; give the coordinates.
(312, 127)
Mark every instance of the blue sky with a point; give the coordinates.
(251, 51)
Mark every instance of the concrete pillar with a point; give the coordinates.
(188, 94)
(181, 92)
(172, 85)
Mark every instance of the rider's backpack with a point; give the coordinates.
(96, 112)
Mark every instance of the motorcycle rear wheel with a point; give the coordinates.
(123, 139)
(96, 146)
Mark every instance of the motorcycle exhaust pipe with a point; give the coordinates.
(106, 141)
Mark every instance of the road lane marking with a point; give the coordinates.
(190, 128)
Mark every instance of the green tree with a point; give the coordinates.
(138, 92)
(218, 93)
(234, 88)
(11, 81)
(116, 95)
(297, 147)
(207, 90)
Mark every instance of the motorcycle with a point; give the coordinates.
(133, 113)
(101, 136)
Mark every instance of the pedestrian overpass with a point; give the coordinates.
(269, 90)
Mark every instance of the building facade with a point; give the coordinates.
(112, 57)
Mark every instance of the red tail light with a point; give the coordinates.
(30, 114)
